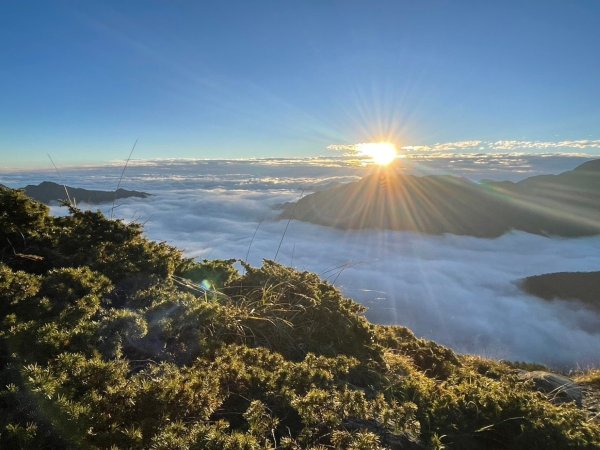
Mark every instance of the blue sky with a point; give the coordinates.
(82, 80)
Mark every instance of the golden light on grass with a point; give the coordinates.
(381, 153)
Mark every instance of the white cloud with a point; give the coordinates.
(445, 147)
(506, 145)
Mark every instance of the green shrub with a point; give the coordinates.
(108, 340)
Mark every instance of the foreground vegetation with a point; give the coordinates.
(109, 340)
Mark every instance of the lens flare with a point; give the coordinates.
(381, 153)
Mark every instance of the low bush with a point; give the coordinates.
(108, 340)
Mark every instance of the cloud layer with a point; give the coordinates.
(511, 145)
(457, 290)
(506, 146)
(281, 173)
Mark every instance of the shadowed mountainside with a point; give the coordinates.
(49, 192)
(584, 286)
(567, 204)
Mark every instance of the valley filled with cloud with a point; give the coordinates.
(460, 291)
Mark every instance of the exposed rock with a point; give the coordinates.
(591, 402)
(559, 388)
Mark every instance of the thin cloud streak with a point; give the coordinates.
(506, 146)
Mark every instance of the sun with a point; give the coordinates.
(381, 153)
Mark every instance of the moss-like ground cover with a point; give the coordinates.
(108, 340)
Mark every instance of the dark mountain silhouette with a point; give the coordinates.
(584, 286)
(567, 204)
(48, 192)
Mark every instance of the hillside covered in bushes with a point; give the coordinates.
(109, 340)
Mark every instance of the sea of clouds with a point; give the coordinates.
(460, 291)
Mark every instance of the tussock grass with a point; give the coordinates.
(590, 377)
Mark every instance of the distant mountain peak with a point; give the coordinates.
(49, 192)
(589, 166)
(567, 204)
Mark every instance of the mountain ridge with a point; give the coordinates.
(49, 192)
(567, 204)
(582, 286)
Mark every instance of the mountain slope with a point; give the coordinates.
(584, 286)
(564, 205)
(48, 192)
(108, 340)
